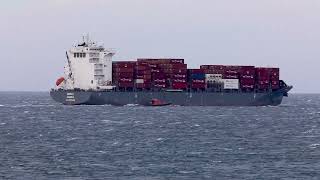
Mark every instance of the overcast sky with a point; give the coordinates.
(35, 34)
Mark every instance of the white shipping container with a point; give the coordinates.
(139, 81)
(231, 83)
(213, 76)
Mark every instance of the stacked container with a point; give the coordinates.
(263, 78)
(275, 78)
(176, 75)
(247, 78)
(167, 73)
(123, 74)
(142, 76)
(231, 72)
(197, 78)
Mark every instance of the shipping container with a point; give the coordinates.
(124, 80)
(161, 61)
(125, 84)
(198, 85)
(198, 76)
(213, 76)
(124, 64)
(160, 85)
(123, 70)
(146, 77)
(143, 85)
(179, 85)
(142, 68)
(139, 81)
(213, 67)
(275, 84)
(159, 75)
(231, 83)
(159, 80)
(173, 66)
(196, 71)
(123, 75)
(178, 75)
(201, 81)
(247, 81)
(247, 70)
(179, 80)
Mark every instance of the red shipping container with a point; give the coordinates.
(204, 67)
(161, 61)
(124, 80)
(173, 66)
(247, 70)
(196, 71)
(198, 85)
(262, 73)
(182, 71)
(146, 77)
(160, 85)
(275, 84)
(159, 80)
(124, 64)
(156, 70)
(179, 80)
(146, 72)
(123, 75)
(198, 81)
(143, 85)
(175, 75)
(213, 67)
(211, 71)
(179, 85)
(125, 84)
(230, 76)
(142, 68)
(247, 81)
(159, 75)
(247, 76)
(247, 86)
(170, 71)
(154, 66)
(122, 70)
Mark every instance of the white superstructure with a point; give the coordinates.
(89, 66)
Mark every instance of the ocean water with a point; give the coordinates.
(41, 139)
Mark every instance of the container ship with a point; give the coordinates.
(92, 78)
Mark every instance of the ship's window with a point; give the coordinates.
(77, 55)
(84, 55)
(91, 81)
(74, 54)
(80, 55)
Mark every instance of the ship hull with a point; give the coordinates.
(71, 97)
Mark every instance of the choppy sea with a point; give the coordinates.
(41, 139)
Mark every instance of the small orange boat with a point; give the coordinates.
(158, 102)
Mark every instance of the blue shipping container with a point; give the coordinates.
(198, 76)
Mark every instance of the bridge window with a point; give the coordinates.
(81, 55)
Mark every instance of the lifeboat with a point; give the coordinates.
(59, 81)
(158, 102)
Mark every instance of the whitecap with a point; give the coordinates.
(1, 105)
(132, 105)
(313, 146)
(186, 172)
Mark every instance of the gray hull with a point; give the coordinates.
(175, 98)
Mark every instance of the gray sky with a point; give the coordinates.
(36, 33)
